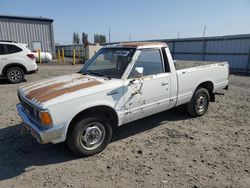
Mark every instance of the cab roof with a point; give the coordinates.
(139, 45)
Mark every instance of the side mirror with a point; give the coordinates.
(139, 71)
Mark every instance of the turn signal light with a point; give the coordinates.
(45, 118)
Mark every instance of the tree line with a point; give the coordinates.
(98, 38)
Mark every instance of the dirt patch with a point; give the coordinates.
(169, 149)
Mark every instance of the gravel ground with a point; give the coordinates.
(169, 149)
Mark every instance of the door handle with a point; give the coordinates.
(4, 58)
(164, 83)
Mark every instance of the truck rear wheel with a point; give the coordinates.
(199, 103)
(89, 136)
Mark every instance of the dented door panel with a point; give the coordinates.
(147, 96)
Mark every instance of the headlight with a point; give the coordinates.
(45, 118)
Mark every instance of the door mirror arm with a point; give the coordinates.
(136, 81)
(132, 81)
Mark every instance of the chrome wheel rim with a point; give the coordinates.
(201, 103)
(92, 136)
(15, 75)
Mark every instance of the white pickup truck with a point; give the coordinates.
(120, 84)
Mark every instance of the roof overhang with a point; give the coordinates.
(26, 18)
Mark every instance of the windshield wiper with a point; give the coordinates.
(99, 74)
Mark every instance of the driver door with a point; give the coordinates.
(147, 87)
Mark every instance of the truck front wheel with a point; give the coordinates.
(199, 103)
(89, 136)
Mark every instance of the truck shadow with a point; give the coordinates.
(150, 122)
(21, 153)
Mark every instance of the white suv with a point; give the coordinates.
(16, 60)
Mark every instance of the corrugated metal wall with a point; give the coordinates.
(234, 49)
(68, 50)
(29, 32)
(81, 51)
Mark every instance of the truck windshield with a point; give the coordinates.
(109, 62)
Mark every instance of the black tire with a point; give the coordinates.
(15, 75)
(199, 103)
(78, 135)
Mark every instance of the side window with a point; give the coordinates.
(12, 49)
(2, 49)
(150, 61)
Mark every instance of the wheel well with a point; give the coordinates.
(104, 110)
(210, 87)
(13, 65)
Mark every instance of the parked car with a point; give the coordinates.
(16, 60)
(120, 84)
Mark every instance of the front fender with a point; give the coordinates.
(80, 108)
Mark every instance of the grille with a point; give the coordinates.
(26, 106)
(31, 111)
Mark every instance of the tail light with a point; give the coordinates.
(31, 56)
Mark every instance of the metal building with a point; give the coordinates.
(37, 32)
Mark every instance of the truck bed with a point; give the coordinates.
(181, 64)
(191, 73)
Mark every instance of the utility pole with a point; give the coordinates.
(178, 35)
(109, 35)
(129, 38)
(204, 31)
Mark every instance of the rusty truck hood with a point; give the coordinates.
(49, 89)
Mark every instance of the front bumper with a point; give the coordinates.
(43, 136)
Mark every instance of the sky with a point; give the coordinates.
(137, 19)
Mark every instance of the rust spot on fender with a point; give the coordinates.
(36, 85)
(40, 83)
(62, 91)
(40, 91)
